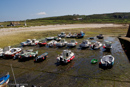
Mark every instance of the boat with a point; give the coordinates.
(85, 44)
(107, 45)
(27, 54)
(11, 52)
(74, 35)
(57, 38)
(62, 35)
(80, 35)
(107, 60)
(4, 80)
(69, 35)
(51, 43)
(96, 45)
(42, 43)
(66, 56)
(93, 61)
(62, 43)
(100, 36)
(72, 43)
(30, 42)
(1, 52)
(49, 38)
(41, 57)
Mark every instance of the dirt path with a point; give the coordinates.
(7, 31)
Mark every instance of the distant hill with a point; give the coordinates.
(119, 17)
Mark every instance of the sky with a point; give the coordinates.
(15, 10)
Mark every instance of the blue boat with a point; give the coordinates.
(4, 79)
(80, 35)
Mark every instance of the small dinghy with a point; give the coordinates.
(93, 61)
(107, 61)
(72, 43)
(4, 80)
(107, 45)
(96, 45)
(100, 36)
(66, 56)
(85, 44)
(62, 43)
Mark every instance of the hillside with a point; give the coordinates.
(122, 18)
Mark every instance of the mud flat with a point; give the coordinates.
(79, 73)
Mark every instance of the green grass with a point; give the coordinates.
(15, 39)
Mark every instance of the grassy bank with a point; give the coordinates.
(14, 39)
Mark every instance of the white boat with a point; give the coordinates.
(1, 52)
(107, 61)
(85, 44)
(72, 43)
(30, 42)
(69, 35)
(62, 43)
(51, 43)
(66, 56)
(11, 52)
(49, 38)
(74, 35)
(62, 34)
(107, 45)
(96, 45)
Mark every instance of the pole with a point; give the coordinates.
(13, 74)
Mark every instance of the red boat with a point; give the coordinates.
(42, 43)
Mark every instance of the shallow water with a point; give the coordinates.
(79, 72)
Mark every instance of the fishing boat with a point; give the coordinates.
(107, 61)
(93, 61)
(107, 45)
(4, 80)
(96, 45)
(100, 36)
(72, 43)
(57, 38)
(85, 44)
(66, 56)
(11, 52)
(74, 35)
(62, 43)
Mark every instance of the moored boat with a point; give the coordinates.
(72, 43)
(66, 56)
(4, 80)
(96, 45)
(107, 60)
(85, 44)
